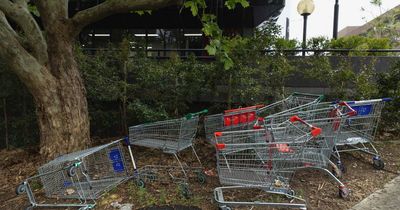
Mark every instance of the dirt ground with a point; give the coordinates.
(316, 187)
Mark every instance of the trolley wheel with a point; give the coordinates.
(140, 183)
(29, 208)
(152, 176)
(185, 192)
(71, 171)
(344, 192)
(290, 194)
(20, 189)
(378, 163)
(201, 178)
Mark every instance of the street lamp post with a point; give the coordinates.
(305, 8)
(336, 19)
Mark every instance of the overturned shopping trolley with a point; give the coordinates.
(77, 179)
(244, 118)
(172, 137)
(262, 159)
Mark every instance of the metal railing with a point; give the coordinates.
(202, 53)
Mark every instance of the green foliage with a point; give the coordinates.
(318, 43)
(195, 5)
(143, 12)
(376, 2)
(231, 4)
(389, 86)
(360, 43)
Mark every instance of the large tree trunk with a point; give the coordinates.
(62, 109)
(62, 115)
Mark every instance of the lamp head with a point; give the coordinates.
(305, 7)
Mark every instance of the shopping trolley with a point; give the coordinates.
(262, 159)
(77, 179)
(331, 118)
(170, 136)
(244, 118)
(359, 131)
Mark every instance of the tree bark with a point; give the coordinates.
(6, 123)
(62, 111)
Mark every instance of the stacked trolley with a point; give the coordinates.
(77, 179)
(332, 119)
(256, 159)
(244, 118)
(172, 137)
(358, 131)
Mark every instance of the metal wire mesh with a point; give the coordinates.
(85, 174)
(171, 136)
(245, 118)
(258, 157)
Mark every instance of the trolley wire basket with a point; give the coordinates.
(172, 137)
(244, 118)
(260, 159)
(317, 154)
(78, 178)
(359, 132)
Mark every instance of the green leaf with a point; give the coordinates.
(231, 4)
(212, 50)
(142, 12)
(33, 9)
(193, 7)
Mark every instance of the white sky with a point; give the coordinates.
(320, 22)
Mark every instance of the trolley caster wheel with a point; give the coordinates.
(71, 171)
(378, 163)
(290, 194)
(185, 192)
(201, 178)
(20, 189)
(344, 192)
(29, 208)
(140, 183)
(152, 177)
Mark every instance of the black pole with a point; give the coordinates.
(287, 29)
(336, 20)
(304, 33)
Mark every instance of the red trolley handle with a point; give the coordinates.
(352, 112)
(315, 131)
(244, 108)
(219, 146)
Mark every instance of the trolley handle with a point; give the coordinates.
(319, 97)
(126, 140)
(194, 114)
(315, 131)
(352, 112)
(244, 108)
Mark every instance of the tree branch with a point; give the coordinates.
(34, 75)
(110, 7)
(18, 13)
(7, 26)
